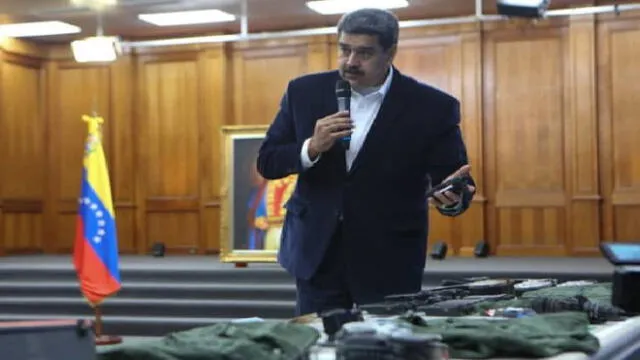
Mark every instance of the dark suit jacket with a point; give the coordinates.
(415, 136)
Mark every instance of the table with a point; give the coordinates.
(618, 341)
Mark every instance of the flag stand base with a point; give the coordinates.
(102, 339)
(108, 340)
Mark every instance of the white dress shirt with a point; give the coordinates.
(364, 109)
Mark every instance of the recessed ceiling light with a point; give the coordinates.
(330, 7)
(40, 28)
(187, 17)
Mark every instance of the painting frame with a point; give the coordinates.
(240, 179)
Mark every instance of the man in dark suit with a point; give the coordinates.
(356, 224)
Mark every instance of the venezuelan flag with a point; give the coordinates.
(95, 254)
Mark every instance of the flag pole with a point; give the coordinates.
(98, 316)
(101, 338)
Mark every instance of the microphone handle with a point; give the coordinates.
(343, 105)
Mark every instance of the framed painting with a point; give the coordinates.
(252, 209)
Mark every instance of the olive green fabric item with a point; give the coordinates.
(599, 293)
(542, 335)
(536, 336)
(269, 340)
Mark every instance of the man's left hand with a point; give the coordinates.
(449, 198)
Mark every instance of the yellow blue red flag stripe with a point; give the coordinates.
(95, 254)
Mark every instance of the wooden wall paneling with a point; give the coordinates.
(3, 167)
(75, 90)
(581, 152)
(333, 53)
(524, 138)
(139, 113)
(23, 48)
(321, 51)
(618, 97)
(23, 176)
(168, 158)
(262, 70)
(121, 147)
(50, 211)
(215, 87)
(472, 223)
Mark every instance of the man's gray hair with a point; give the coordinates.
(382, 23)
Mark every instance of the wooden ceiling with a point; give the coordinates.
(263, 15)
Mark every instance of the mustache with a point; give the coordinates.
(352, 70)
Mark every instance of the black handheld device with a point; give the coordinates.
(456, 185)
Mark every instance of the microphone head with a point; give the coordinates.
(343, 89)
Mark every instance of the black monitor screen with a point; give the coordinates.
(622, 253)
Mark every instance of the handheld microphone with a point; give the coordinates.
(343, 95)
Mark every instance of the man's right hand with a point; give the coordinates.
(328, 130)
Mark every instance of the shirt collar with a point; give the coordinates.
(387, 82)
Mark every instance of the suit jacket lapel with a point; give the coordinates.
(391, 107)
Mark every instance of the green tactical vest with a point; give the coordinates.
(269, 340)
